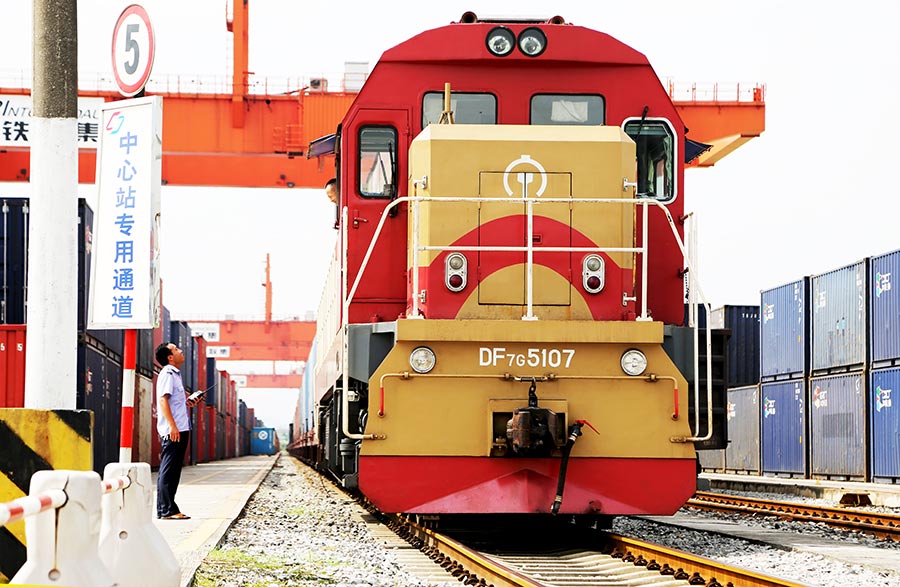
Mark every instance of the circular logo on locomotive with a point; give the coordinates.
(523, 177)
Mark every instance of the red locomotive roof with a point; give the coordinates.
(466, 42)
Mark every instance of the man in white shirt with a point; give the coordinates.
(173, 423)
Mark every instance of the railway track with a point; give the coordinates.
(618, 560)
(885, 526)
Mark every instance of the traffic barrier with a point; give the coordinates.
(30, 441)
(62, 541)
(132, 548)
(82, 531)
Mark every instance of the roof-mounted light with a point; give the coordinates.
(500, 41)
(532, 41)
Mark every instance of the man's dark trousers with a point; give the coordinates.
(171, 459)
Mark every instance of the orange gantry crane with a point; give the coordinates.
(246, 139)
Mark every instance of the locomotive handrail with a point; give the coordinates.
(689, 262)
(648, 378)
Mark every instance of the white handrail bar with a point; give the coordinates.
(115, 484)
(28, 505)
(644, 263)
(543, 249)
(529, 260)
(17, 509)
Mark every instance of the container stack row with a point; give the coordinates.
(742, 362)
(829, 362)
(99, 361)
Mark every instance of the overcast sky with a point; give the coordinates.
(796, 201)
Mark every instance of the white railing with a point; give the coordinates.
(716, 92)
(688, 255)
(201, 84)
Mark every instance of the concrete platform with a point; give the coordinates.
(880, 494)
(213, 495)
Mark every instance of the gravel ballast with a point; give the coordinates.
(297, 530)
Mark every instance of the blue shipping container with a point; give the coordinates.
(885, 305)
(263, 441)
(783, 428)
(837, 428)
(839, 318)
(784, 328)
(743, 344)
(884, 444)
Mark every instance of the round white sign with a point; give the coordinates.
(133, 50)
(262, 435)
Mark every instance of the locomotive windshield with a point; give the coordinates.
(656, 171)
(467, 108)
(567, 109)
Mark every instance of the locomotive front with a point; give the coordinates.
(528, 385)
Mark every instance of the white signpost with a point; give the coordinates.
(124, 258)
(133, 50)
(124, 292)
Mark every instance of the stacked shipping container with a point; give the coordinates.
(784, 364)
(829, 362)
(99, 355)
(742, 350)
(884, 375)
(837, 406)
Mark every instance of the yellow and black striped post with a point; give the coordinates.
(31, 441)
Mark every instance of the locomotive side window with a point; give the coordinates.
(467, 108)
(562, 109)
(656, 157)
(377, 161)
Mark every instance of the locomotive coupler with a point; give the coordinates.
(532, 394)
(574, 433)
(534, 431)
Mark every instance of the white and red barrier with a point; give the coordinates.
(62, 542)
(84, 532)
(31, 504)
(131, 547)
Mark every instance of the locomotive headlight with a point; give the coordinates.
(532, 42)
(593, 274)
(422, 359)
(456, 272)
(500, 41)
(634, 362)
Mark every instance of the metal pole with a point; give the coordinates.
(50, 361)
(128, 365)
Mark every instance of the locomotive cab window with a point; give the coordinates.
(467, 108)
(564, 109)
(656, 157)
(378, 162)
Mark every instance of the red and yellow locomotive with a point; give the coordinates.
(501, 327)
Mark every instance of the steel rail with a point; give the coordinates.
(657, 565)
(699, 570)
(882, 525)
